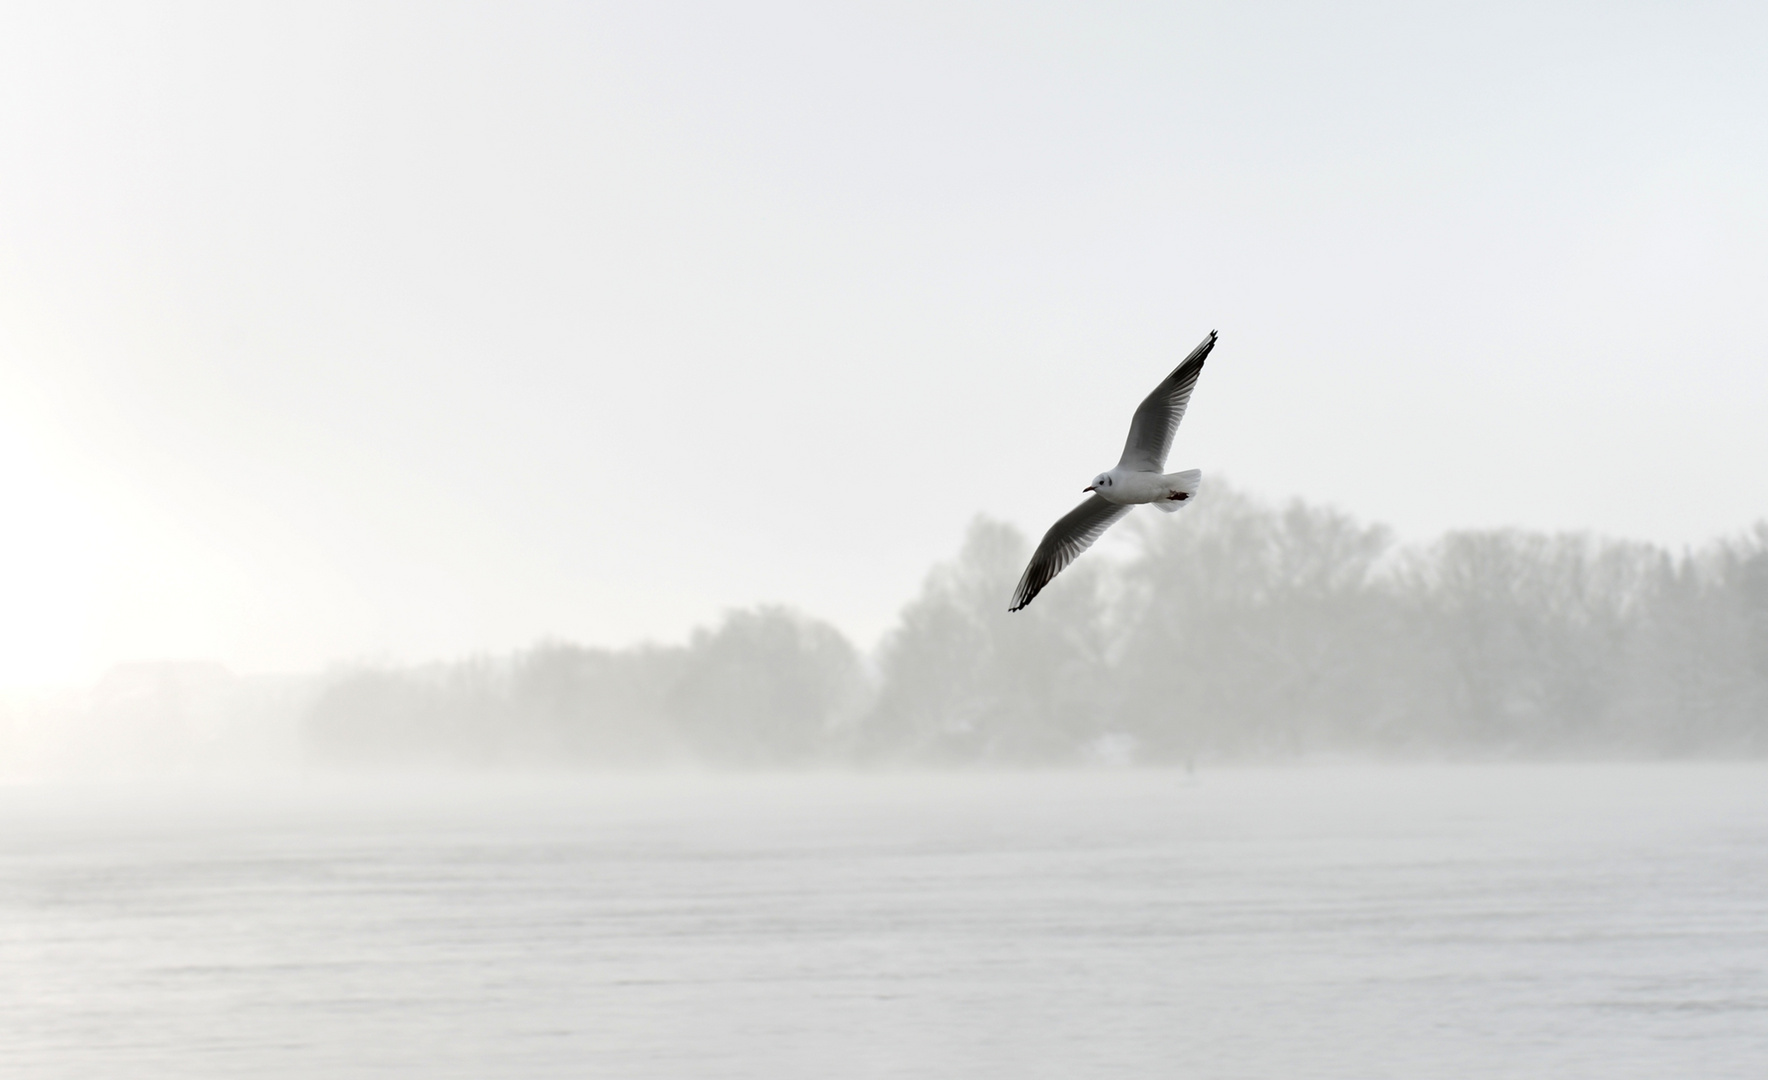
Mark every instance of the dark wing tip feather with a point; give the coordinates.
(1037, 575)
(1197, 357)
(1029, 587)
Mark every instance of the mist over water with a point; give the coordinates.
(1143, 847)
(1418, 921)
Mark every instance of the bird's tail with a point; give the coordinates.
(1181, 488)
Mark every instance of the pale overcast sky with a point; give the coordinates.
(408, 331)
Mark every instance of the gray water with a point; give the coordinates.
(1472, 921)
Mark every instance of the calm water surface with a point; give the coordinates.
(1477, 921)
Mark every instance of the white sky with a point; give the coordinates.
(407, 331)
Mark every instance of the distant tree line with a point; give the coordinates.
(1238, 629)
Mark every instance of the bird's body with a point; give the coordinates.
(1136, 479)
(1127, 488)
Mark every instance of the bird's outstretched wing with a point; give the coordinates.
(1071, 535)
(1157, 418)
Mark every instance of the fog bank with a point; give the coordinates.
(1241, 630)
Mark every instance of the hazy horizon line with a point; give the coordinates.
(1398, 546)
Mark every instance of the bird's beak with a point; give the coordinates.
(1089, 487)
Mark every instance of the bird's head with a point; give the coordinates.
(1100, 482)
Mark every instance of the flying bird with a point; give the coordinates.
(1136, 479)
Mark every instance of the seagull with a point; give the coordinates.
(1136, 479)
